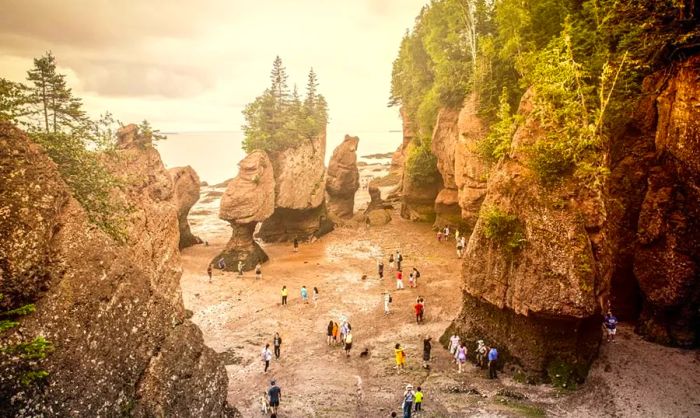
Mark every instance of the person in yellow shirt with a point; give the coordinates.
(400, 357)
(284, 295)
(418, 400)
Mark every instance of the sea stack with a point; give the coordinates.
(343, 178)
(186, 186)
(248, 200)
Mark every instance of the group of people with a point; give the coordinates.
(484, 356)
(266, 354)
(303, 295)
(221, 265)
(443, 234)
(340, 335)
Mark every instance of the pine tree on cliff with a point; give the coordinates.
(51, 99)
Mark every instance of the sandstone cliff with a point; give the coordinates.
(443, 145)
(248, 200)
(114, 314)
(186, 186)
(343, 178)
(399, 157)
(299, 193)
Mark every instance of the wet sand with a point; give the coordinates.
(239, 315)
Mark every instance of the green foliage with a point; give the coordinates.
(496, 144)
(421, 166)
(565, 375)
(277, 120)
(503, 228)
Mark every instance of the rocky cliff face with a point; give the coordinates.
(249, 199)
(654, 205)
(399, 157)
(114, 314)
(443, 146)
(343, 178)
(186, 187)
(299, 193)
(530, 272)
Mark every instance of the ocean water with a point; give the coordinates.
(215, 155)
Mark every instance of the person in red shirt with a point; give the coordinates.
(419, 311)
(399, 280)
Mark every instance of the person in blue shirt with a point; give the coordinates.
(304, 295)
(610, 323)
(275, 395)
(493, 358)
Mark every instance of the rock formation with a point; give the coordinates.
(654, 205)
(248, 200)
(443, 146)
(532, 289)
(113, 313)
(186, 186)
(300, 210)
(399, 157)
(343, 178)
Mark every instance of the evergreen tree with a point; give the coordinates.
(12, 101)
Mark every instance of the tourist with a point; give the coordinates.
(221, 264)
(258, 271)
(344, 331)
(348, 343)
(454, 343)
(266, 356)
(304, 295)
(400, 357)
(427, 346)
(421, 314)
(418, 307)
(418, 402)
(416, 276)
(387, 302)
(399, 280)
(408, 397)
(459, 248)
(391, 260)
(439, 235)
(240, 267)
(296, 244)
(284, 293)
(481, 352)
(209, 272)
(393, 415)
(447, 233)
(277, 343)
(380, 269)
(315, 296)
(610, 322)
(493, 358)
(456, 234)
(275, 396)
(411, 280)
(461, 356)
(329, 332)
(399, 259)
(336, 333)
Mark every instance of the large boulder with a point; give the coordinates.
(186, 185)
(248, 200)
(471, 171)
(343, 178)
(531, 275)
(300, 211)
(113, 313)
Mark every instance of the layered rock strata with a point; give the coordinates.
(186, 187)
(343, 178)
(443, 146)
(248, 200)
(122, 344)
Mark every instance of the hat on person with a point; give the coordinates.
(272, 382)
(409, 386)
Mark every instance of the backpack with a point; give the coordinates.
(390, 300)
(417, 274)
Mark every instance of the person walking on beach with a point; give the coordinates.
(274, 395)
(418, 307)
(399, 279)
(387, 302)
(221, 264)
(399, 259)
(329, 333)
(266, 356)
(400, 357)
(493, 358)
(258, 271)
(481, 352)
(391, 260)
(418, 402)
(380, 269)
(240, 267)
(336, 333)
(348, 343)
(314, 296)
(296, 244)
(408, 397)
(454, 344)
(411, 280)
(610, 322)
(461, 357)
(439, 235)
(304, 295)
(427, 346)
(416, 276)
(209, 272)
(447, 233)
(277, 343)
(459, 247)
(284, 293)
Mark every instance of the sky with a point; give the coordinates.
(191, 66)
